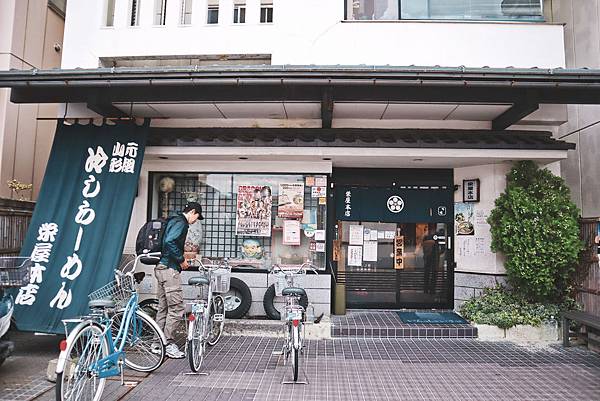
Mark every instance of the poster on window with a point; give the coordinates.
(253, 214)
(355, 257)
(291, 232)
(291, 200)
(464, 218)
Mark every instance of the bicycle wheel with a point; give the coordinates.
(216, 326)
(144, 349)
(196, 342)
(76, 382)
(295, 351)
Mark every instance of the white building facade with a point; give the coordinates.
(390, 124)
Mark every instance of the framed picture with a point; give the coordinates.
(471, 190)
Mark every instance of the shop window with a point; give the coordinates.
(160, 12)
(266, 11)
(254, 220)
(239, 13)
(134, 9)
(110, 13)
(212, 14)
(186, 12)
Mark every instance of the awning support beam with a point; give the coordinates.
(513, 115)
(326, 109)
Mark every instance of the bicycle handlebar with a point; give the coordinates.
(300, 270)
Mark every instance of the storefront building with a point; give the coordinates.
(381, 176)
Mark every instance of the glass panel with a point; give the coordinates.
(213, 15)
(372, 9)
(186, 12)
(217, 236)
(379, 274)
(239, 15)
(472, 9)
(110, 12)
(135, 13)
(160, 9)
(266, 14)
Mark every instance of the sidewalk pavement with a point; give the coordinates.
(244, 369)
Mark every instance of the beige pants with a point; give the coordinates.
(170, 301)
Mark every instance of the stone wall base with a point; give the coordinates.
(468, 285)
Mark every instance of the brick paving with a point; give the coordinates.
(357, 369)
(384, 324)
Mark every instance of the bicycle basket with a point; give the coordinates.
(281, 282)
(220, 280)
(118, 291)
(15, 271)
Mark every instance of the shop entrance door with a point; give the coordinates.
(393, 246)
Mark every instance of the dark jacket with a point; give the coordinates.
(174, 241)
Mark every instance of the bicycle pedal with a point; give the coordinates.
(218, 317)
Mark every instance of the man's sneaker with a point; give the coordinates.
(174, 352)
(156, 348)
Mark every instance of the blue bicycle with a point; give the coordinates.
(115, 334)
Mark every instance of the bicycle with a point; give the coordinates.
(294, 314)
(116, 333)
(206, 328)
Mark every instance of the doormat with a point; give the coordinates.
(431, 318)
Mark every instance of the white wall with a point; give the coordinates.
(309, 32)
(493, 183)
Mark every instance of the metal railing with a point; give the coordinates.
(14, 221)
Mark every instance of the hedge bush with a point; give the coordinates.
(535, 225)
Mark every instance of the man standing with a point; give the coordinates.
(170, 293)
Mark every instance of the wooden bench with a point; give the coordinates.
(584, 318)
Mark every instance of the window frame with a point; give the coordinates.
(183, 14)
(264, 12)
(107, 14)
(212, 8)
(239, 14)
(163, 13)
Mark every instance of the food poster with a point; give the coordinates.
(464, 215)
(253, 214)
(290, 203)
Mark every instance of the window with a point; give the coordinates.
(160, 12)
(266, 11)
(110, 13)
(212, 14)
(59, 6)
(247, 215)
(186, 12)
(134, 17)
(482, 10)
(239, 13)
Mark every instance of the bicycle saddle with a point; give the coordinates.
(294, 291)
(198, 281)
(101, 303)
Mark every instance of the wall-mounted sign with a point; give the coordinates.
(471, 190)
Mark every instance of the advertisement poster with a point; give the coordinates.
(355, 255)
(318, 192)
(291, 201)
(291, 232)
(464, 214)
(253, 215)
(356, 235)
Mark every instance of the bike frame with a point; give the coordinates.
(205, 315)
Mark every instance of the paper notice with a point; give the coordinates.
(389, 235)
(373, 235)
(320, 235)
(356, 235)
(354, 255)
(320, 247)
(291, 232)
(370, 251)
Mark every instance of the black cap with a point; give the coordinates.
(195, 206)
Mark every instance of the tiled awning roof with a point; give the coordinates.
(361, 138)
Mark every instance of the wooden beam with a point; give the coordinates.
(326, 109)
(106, 110)
(513, 115)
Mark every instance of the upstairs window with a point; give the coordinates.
(239, 12)
(266, 11)
(110, 13)
(134, 8)
(212, 14)
(160, 12)
(186, 12)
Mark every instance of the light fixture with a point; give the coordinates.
(327, 158)
(243, 158)
(163, 157)
(417, 160)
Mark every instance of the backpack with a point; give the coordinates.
(149, 238)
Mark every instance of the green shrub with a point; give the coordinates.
(535, 225)
(503, 308)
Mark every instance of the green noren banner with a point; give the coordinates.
(77, 232)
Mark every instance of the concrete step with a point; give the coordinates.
(274, 328)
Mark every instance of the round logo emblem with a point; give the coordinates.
(395, 204)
